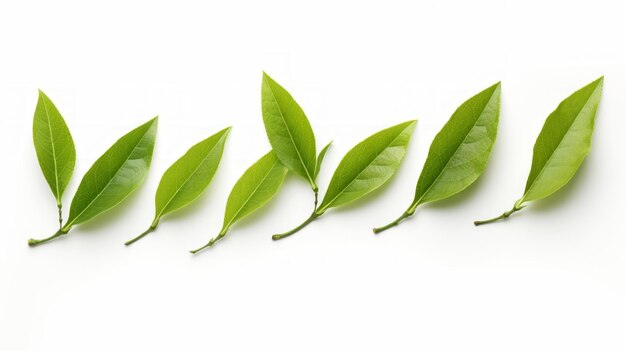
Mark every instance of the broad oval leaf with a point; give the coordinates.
(115, 175)
(459, 153)
(54, 146)
(288, 130)
(189, 176)
(255, 188)
(367, 166)
(563, 143)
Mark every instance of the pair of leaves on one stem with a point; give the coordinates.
(363, 169)
(114, 176)
(561, 147)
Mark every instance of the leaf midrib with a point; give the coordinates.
(54, 154)
(416, 203)
(282, 118)
(68, 225)
(325, 207)
(569, 129)
(230, 222)
(186, 181)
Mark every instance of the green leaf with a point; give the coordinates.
(288, 130)
(115, 175)
(54, 146)
(563, 143)
(320, 159)
(561, 147)
(190, 175)
(459, 153)
(367, 166)
(187, 178)
(253, 190)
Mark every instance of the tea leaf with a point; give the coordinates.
(365, 168)
(561, 147)
(459, 153)
(320, 159)
(288, 130)
(187, 178)
(114, 176)
(54, 147)
(253, 190)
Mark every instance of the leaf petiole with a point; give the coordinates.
(153, 226)
(60, 232)
(313, 217)
(211, 242)
(404, 216)
(503, 216)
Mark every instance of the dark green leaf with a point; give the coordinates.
(115, 175)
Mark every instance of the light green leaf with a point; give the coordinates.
(561, 147)
(288, 130)
(320, 159)
(459, 153)
(115, 175)
(367, 166)
(253, 190)
(54, 146)
(187, 178)
(563, 143)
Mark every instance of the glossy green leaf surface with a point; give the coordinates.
(561, 147)
(459, 153)
(54, 146)
(115, 175)
(255, 188)
(190, 175)
(368, 165)
(563, 143)
(288, 130)
(320, 159)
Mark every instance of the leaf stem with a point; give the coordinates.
(311, 218)
(60, 215)
(503, 216)
(211, 242)
(152, 227)
(35, 242)
(404, 216)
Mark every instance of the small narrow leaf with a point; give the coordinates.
(288, 130)
(365, 168)
(54, 146)
(253, 190)
(187, 178)
(459, 153)
(320, 160)
(561, 147)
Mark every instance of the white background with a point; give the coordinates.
(551, 278)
